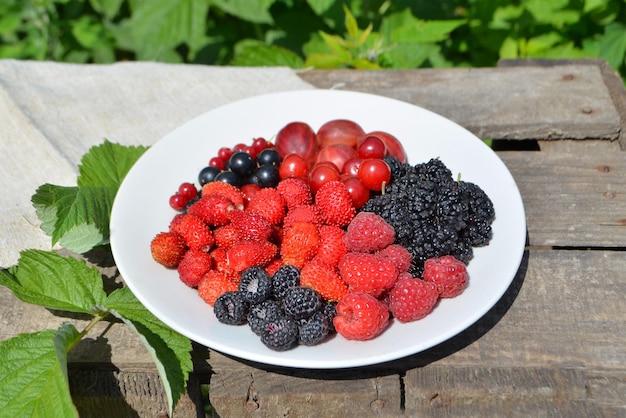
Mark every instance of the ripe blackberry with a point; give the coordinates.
(452, 208)
(255, 284)
(286, 277)
(231, 308)
(434, 170)
(329, 309)
(481, 214)
(262, 313)
(280, 334)
(398, 169)
(314, 329)
(301, 302)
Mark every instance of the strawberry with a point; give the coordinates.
(323, 278)
(168, 249)
(448, 274)
(303, 213)
(360, 316)
(400, 256)
(245, 254)
(273, 266)
(196, 234)
(411, 299)
(193, 266)
(220, 261)
(369, 232)
(229, 191)
(250, 226)
(227, 235)
(213, 284)
(364, 272)
(295, 191)
(331, 248)
(269, 203)
(212, 209)
(335, 203)
(299, 243)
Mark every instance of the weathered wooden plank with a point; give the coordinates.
(574, 197)
(569, 101)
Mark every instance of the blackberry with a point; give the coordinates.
(434, 170)
(286, 277)
(301, 302)
(231, 308)
(262, 313)
(481, 214)
(255, 284)
(329, 309)
(314, 329)
(280, 334)
(452, 208)
(398, 169)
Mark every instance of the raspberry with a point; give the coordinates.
(213, 284)
(324, 279)
(313, 330)
(412, 299)
(229, 191)
(286, 277)
(246, 254)
(367, 273)
(303, 213)
(269, 203)
(168, 249)
(448, 274)
(212, 209)
(299, 244)
(368, 232)
(231, 308)
(250, 226)
(193, 266)
(360, 316)
(301, 302)
(255, 284)
(280, 334)
(295, 191)
(399, 255)
(331, 248)
(226, 236)
(262, 313)
(335, 203)
(196, 234)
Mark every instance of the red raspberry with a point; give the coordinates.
(299, 243)
(331, 248)
(335, 203)
(193, 266)
(369, 232)
(269, 203)
(412, 299)
(296, 192)
(168, 249)
(196, 234)
(400, 256)
(364, 272)
(360, 316)
(448, 274)
(323, 278)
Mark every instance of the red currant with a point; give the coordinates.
(249, 190)
(188, 191)
(374, 173)
(224, 153)
(178, 202)
(217, 163)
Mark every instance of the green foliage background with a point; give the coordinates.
(317, 33)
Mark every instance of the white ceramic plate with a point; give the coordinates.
(141, 210)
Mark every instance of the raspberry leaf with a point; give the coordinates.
(33, 376)
(48, 279)
(107, 164)
(169, 350)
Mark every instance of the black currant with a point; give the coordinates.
(267, 176)
(268, 156)
(242, 164)
(208, 174)
(229, 177)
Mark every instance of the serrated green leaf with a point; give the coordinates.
(48, 279)
(107, 164)
(169, 350)
(33, 374)
(613, 44)
(257, 11)
(259, 54)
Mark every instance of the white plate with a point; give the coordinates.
(141, 210)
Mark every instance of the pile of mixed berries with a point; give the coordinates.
(323, 232)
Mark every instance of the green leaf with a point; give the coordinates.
(406, 55)
(107, 164)
(426, 31)
(324, 61)
(613, 44)
(320, 6)
(542, 43)
(352, 27)
(336, 44)
(169, 350)
(253, 53)
(109, 8)
(48, 279)
(33, 374)
(509, 48)
(257, 11)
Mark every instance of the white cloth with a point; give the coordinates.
(52, 113)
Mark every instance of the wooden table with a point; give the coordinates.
(554, 345)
